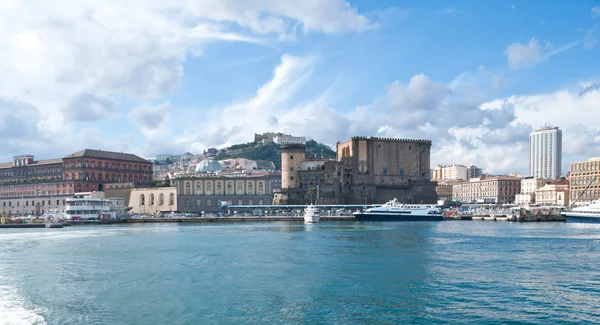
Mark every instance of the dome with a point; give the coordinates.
(208, 166)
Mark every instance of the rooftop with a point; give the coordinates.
(101, 154)
(35, 163)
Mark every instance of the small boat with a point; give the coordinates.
(396, 211)
(311, 214)
(589, 213)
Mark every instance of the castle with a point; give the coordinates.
(367, 170)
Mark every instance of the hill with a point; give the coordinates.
(272, 152)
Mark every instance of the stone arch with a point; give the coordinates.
(142, 199)
(161, 199)
(172, 199)
(152, 199)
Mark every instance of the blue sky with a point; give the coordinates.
(473, 76)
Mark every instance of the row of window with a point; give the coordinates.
(108, 177)
(26, 203)
(161, 199)
(219, 188)
(117, 166)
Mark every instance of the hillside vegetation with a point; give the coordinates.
(272, 152)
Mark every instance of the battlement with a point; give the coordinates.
(424, 141)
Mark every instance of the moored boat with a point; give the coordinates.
(311, 214)
(588, 213)
(396, 211)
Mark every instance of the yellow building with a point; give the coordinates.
(198, 193)
(556, 193)
(153, 200)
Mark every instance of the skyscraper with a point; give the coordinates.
(545, 152)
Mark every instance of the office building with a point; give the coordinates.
(545, 152)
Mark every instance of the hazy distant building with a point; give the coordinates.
(454, 172)
(474, 172)
(545, 152)
(487, 189)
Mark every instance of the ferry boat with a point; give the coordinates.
(81, 208)
(311, 214)
(587, 213)
(396, 211)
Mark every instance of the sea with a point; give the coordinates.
(449, 272)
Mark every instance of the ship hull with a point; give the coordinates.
(374, 216)
(581, 217)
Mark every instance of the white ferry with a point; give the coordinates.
(396, 211)
(586, 213)
(81, 208)
(311, 214)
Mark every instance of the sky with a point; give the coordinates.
(151, 76)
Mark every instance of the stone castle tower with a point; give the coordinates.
(291, 156)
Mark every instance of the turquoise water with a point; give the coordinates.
(457, 272)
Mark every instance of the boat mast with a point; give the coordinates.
(584, 190)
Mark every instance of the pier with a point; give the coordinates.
(235, 219)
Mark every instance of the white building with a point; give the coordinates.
(288, 139)
(529, 186)
(454, 172)
(545, 152)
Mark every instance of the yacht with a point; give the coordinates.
(396, 211)
(586, 213)
(82, 208)
(311, 214)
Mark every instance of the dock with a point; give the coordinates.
(234, 219)
(30, 225)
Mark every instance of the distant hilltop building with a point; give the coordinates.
(164, 157)
(289, 140)
(267, 137)
(545, 152)
(366, 170)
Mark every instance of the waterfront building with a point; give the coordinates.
(153, 200)
(545, 152)
(444, 189)
(553, 193)
(487, 189)
(584, 181)
(206, 192)
(529, 186)
(29, 186)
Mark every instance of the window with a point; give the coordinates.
(151, 199)
(208, 202)
(99, 164)
(291, 169)
(142, 199)
(292, 157)
(208, 189)
(171, 199)
(229, 188)
(198, 188)
(260, 202)
(198, 203)
(240, 202)
(219, 188)
(161, 199)
(260, 189)
(240, 189)
(250, 202)
(250, 189)
(188, 189)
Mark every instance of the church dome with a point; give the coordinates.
(208, 166)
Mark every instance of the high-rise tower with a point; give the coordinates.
(545, 152)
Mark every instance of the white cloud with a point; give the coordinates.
(595, 11)
(590, 36)
(491, 134)
(152, 121)
(80, 61)
(522, 56)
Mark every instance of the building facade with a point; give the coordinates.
(153, 200)
(444, 189)
(490, 189)
(205, 193)
(474, 172)
(545, 152)
(555, 193)
(376, 170)
(29, 186)
(454, 172)
(584, 180)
